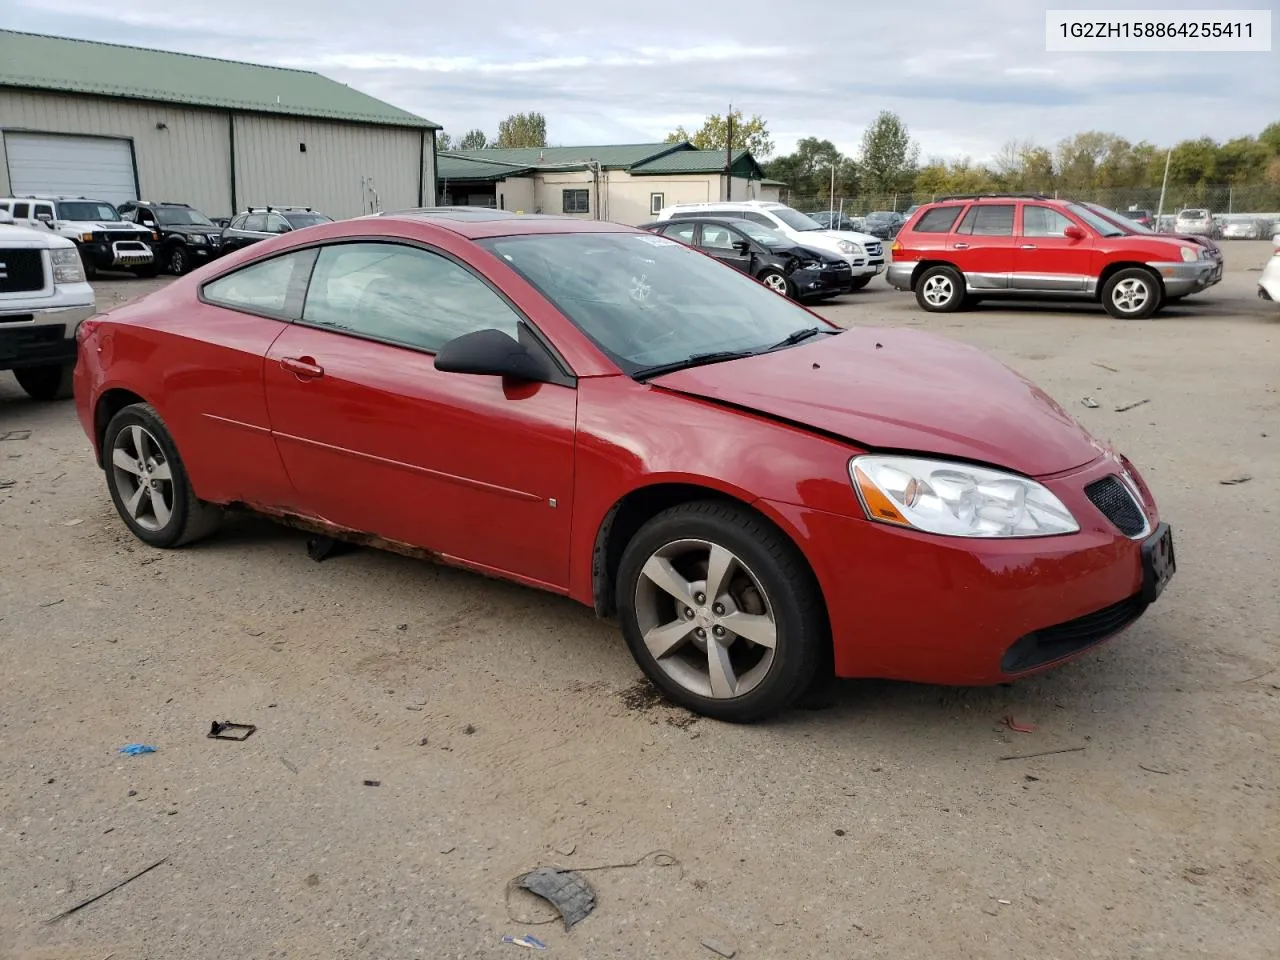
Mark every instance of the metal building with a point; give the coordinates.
(121, 123)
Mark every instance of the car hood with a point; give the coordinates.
(902, 390)
(806, 253)
(187, 229)
(112, 226)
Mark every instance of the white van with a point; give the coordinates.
(864, 253)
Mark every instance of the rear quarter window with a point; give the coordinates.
(938, 220)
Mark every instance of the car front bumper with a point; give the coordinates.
(1269, 282)
(960, 611)
(41, 338)
(1183, 278)
(118, 254)
(814, 282)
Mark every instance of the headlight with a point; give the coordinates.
(197, 239)
(847, 246)
(956, 499)
(1189, 254)
(67, 266)
(811, 265)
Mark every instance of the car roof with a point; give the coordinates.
(724, 221)
(478, 223)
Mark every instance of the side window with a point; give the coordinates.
(1043, 222)
(277, 224)
(260, 288)
(401, 294)
(21, 211)
(239, 222)
(760, 218)
(144, 216)
(989, 220)
(681, 231)
(715, 237)
(938, 220)
(43, 211)
(256, 223)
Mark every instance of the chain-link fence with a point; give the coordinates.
(1258, 204)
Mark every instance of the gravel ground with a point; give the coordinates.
(509, 728)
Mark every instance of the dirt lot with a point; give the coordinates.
(509, 728)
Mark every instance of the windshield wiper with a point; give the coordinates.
(804, 333)
(693, 360)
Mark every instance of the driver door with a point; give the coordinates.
(377, 440)
(726, 245)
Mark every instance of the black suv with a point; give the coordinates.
(187, 237)
(261, 223)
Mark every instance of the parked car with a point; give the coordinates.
(1143, 217)
(1244, 228)
(592, 410)
(884, 224)
(863, 253)
(44, 298)
(1269, 282)
(1196, 220)
(837, 221)
(263, 223)
(104, 240)
(187, 237)
(782, 265)
(956, 252)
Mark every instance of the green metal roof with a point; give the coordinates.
(614, 156)
(455, 167)
(700, 161)
(41, 62)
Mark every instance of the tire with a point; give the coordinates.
(768, 588)
(46, 383)
(179, 260)
(940, 290)
(1132, 294)
(777, 281)
(184, 518)
(860, 282)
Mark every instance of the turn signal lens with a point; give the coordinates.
(896, 247)
(879, 506)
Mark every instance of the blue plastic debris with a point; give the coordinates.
(528, 940)
(133, 749)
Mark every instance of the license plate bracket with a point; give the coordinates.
(1159, 562)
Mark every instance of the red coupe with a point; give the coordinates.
(590, 409)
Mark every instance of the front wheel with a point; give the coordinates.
(46, 383)
(179, 260)
(777, 281)
(859, 282)
(940, 290)
(721, 612)
(148, 482)
(1131, 294)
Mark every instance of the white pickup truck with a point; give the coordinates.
(43, 299)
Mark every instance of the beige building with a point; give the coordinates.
(121, 123)
(626, 183)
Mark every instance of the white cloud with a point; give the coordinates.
(964, 78)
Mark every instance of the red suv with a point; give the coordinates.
(959, 250)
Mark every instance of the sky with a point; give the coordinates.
(965, 77)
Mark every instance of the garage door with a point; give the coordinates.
(100, 168)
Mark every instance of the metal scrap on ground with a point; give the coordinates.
(84, 903)
(565, 890)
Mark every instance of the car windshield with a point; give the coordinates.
(300, 220)
(182, 216)
(648, 301)
(795, 219)
(762, 234)
(1119, 219)
(1099, 223)
(86, 210)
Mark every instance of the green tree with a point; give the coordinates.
(523, 130)
(889, 156)
(753, 134)
(472, 140)
(807, 171)
(444, 143)
(1270, 137)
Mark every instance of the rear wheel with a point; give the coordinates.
(148, 482)
(859, 283)
(777, 281)
(1131, 294)
(940, 290)
(720, 611)
(46, 383)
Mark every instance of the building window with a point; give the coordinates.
(577, 201)
(656, 203)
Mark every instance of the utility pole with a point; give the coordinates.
(1163, 185)
(833, 189)
(728, 157)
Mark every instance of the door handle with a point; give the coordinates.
(304, 367)
(1027, 246)
(961, 246)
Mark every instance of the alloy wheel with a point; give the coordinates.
(143, 477)
(705, 618)
(776, 282)
(938, 290)
(1130, 295)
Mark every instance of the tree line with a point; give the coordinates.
(888, 159)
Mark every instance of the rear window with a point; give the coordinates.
(1195, 214)
(938, 220)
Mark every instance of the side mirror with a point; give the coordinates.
(742, 247)
(1072, 232)
(490, 353)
